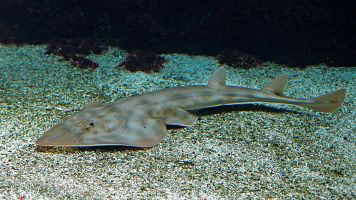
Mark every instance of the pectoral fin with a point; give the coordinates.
(140, 133)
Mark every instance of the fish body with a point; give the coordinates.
(141, 120)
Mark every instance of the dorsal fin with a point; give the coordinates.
(218, 79)
(277, 85)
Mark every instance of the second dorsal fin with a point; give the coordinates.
(218, 79)
(277, 85)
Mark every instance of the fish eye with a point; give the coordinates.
(88, 127)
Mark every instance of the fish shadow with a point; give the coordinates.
(74, 150)
(244, 107)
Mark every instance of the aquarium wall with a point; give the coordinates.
(293, 32)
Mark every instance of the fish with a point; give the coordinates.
(140, 120)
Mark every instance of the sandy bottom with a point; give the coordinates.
(249, 151)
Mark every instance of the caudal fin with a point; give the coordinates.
(329, 102)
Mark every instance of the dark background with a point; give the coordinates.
(292, 32)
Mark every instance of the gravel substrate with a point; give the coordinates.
(235, 152)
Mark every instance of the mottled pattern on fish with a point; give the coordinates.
(141, 120)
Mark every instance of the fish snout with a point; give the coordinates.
(58, 136)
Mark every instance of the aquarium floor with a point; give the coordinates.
(235, 152)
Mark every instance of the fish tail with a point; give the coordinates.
(328, 102)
